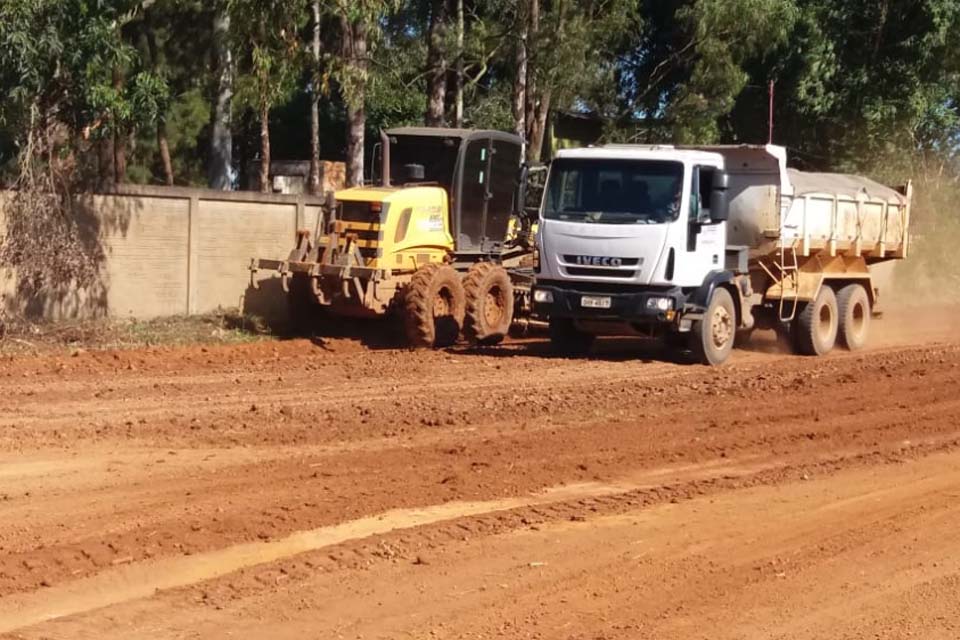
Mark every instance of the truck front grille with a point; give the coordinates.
(587, 272)
(577, 260)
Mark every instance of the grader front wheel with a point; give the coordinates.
(489, 311)
(434, 307)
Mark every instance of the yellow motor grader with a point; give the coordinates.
(440, 241)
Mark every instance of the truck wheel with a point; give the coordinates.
(853, 307)
(712, 337)
(815, 328)
(433, 307)
(567, 340)
(489, 303)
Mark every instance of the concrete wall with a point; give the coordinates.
(171, 251)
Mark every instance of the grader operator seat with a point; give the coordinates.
(480, 171)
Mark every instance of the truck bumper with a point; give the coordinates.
(653, 306)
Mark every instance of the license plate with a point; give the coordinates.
(596, 302)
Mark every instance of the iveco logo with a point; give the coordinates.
(599, 261)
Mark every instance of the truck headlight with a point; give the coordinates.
(542, 296)
(660, 304)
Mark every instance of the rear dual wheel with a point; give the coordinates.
(853, 307)
(815, 328)
(833, 317)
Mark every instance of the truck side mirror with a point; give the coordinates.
(720, 197)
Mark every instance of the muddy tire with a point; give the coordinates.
(566, 339)
(489, 313)
(815, 328)
(712, 337)
(853, 309)
(433, 307)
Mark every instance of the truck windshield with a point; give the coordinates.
(614, 191)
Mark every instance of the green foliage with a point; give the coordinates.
(187, 116)
(862, 80)
(267, 31)
(61, 60)
(688, 66)
(862, 85)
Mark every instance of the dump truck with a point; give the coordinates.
(439, 242)
(699, 246)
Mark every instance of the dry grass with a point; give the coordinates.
(22, 337)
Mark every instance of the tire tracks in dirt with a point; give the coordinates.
(122, 584)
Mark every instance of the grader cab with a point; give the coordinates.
(438, 242)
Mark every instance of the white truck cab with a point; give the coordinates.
(697, 243)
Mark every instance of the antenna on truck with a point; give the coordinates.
(770, 116)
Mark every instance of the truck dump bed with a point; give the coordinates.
(772, 207)
(845, 214)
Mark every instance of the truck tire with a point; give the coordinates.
(566, 339)
(712, 337)
(433, 307)
(815, 328)
(853, 306)
(489, 311)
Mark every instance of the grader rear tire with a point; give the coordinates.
(433, 307)
(489, 304)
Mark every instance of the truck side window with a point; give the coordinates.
(706, 186)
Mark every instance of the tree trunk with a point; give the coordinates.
(531, 119)
(157, 63)
(520, 79)
(437, 63)
(355, 58)
(265, 186)
(314, 185)
(458, 87)
(538, 127)
(356, 120)
(119, 134)
(221, 139)
(164, 147)
(107, 170)
(120, 156)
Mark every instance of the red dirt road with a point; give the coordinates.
(290, 490)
